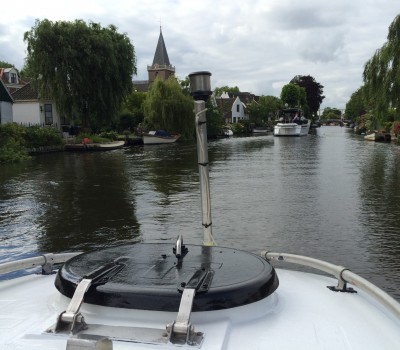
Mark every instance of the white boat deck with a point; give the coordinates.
(301, 314)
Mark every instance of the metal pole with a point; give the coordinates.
(202, 156)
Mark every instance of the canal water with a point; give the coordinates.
(331, 196)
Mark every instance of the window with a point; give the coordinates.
(48, 114)
(13, 78)
(237, 108)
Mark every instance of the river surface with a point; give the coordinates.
(331, 196)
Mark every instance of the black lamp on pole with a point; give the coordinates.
(200, 85)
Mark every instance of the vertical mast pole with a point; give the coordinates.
(202, 156)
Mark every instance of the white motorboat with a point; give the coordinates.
(292, 123)
(162, 296)
(159, 137)
(378, 136)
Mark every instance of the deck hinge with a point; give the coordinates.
(71, 320)
(181, 331)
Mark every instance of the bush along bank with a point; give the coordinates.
(17, 141)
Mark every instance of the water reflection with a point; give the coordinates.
(329, 195)
(67, 201)
(380, 193)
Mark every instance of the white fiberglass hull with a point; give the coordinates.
(291, 129)
(301, 314)
(156, 140)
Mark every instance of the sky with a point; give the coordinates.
(256, 45)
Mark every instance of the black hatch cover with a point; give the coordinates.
(148, 276)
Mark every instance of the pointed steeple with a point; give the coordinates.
(161, 66)
(161, 55)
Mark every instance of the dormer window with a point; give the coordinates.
(13, 78)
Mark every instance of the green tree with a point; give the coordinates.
(218, 91)
(356, 106)
(293, 95)
(264, 109)
(185, 85)
(167, 107)
(4, 64)
(382, 75)
(132, 110)
(313, 91)
(215, 120)
(87, 69)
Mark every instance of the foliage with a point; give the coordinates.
(109, 135)
(356, 106)
(215, 120)
(132, 111)
(85, 68)
(93, 138)
(314, 91)
(4, 64)
(331, 113)
(167, 107)
(37, 136)
(382, 74)
(185, 86)
(396, 128)
(264, 109)
(218, 91)
(293, 95)
(11, 152)
(15, 139)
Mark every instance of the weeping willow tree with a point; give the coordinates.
(167, 107)
(85, 68)
(382, 75)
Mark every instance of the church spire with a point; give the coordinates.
(161, 66)
(161, 55)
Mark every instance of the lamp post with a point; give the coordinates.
(200, 89)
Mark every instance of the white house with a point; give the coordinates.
(31, 109)
(238, 111)
(6, 105)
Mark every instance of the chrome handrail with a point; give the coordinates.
(343, 274)
(37, 261)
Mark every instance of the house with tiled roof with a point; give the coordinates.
(234, 105)
(161, 67)
(11, 79)
(6, 104)
(32, 109)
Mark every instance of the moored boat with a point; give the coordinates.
(159, 137)
(260, 130)
(378, 137)
(93, 147)
(292, 123)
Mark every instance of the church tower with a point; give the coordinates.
(161, 66)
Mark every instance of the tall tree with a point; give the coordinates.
(294, 96)
(356, 106)
(314, 91)
(167, 107)
(382, 74)
(87, 69)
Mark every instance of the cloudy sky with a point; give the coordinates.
(257, 45)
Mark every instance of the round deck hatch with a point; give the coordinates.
(148, 276)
